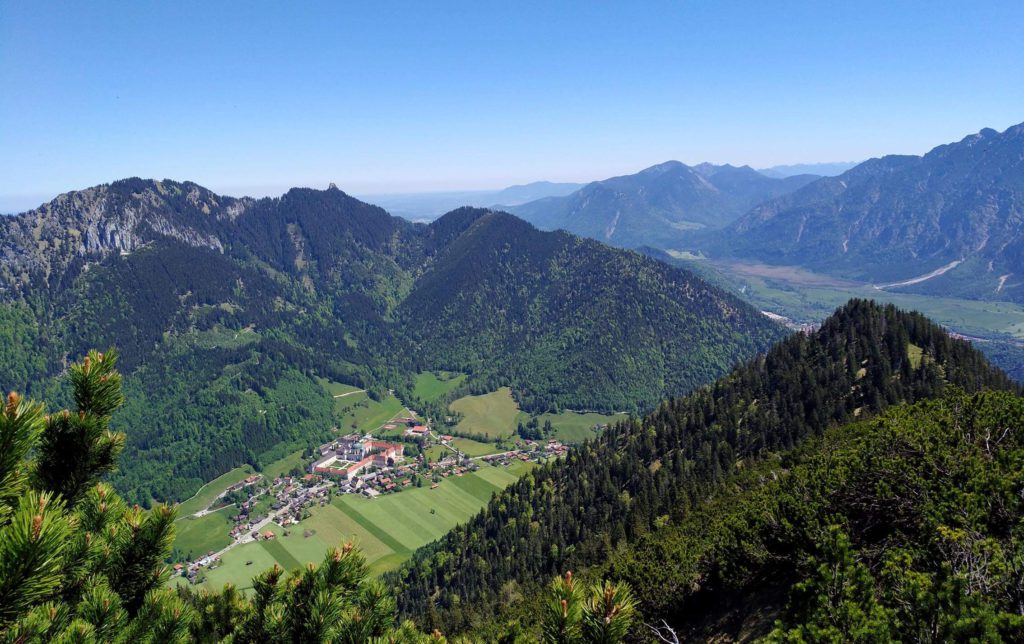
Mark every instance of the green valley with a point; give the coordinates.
(387, 529)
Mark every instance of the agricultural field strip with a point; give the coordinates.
(371, 527)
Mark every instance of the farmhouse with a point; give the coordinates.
(417, 430)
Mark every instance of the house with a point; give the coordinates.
(417, 430)
(268, 535)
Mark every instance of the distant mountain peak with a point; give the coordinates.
(658, 205)
(661, 168)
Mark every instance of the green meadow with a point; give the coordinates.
(206, 494)
(431, 385)
(194, 537)
(497, 415)
(355, 411)
(493, 414)
(572, 427)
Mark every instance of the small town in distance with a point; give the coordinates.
(352, 464)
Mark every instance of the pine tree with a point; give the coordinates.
(601, 614)
(75, 562)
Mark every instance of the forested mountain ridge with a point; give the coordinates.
(253, 298)
(569, 301)
(959, 209)
(658, 205)
(647, 473)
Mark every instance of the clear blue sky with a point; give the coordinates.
(252, 97)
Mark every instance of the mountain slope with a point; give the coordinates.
(227, 310)
(658, 205)
(651, 472)
(954, 216)
(571, 322)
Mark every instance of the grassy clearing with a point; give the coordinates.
(571, 427)
(914, 352)
(195, 537)
(206, 494)
(285, 465)
(493, 414)
(433, 385)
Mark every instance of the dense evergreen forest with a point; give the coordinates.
(645, 474)
(225, 313)
(902, 528)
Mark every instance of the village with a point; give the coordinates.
(352, 464)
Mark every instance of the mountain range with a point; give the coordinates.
(948, 222)
(658, 206)
(954, 216)
(254, 299)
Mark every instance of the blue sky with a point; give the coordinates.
(253, 97)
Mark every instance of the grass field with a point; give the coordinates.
(196, 537)
(356, 411)
(496, 414)
(284, 465)
(475, 448)
(387, 529)
(432, 385)
(492, 414)
(572, 427)
(209, 492)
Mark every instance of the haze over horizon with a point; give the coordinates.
(413, 98)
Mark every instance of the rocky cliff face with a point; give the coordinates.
(77, 228)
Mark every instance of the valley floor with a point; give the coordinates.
(389, 527)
